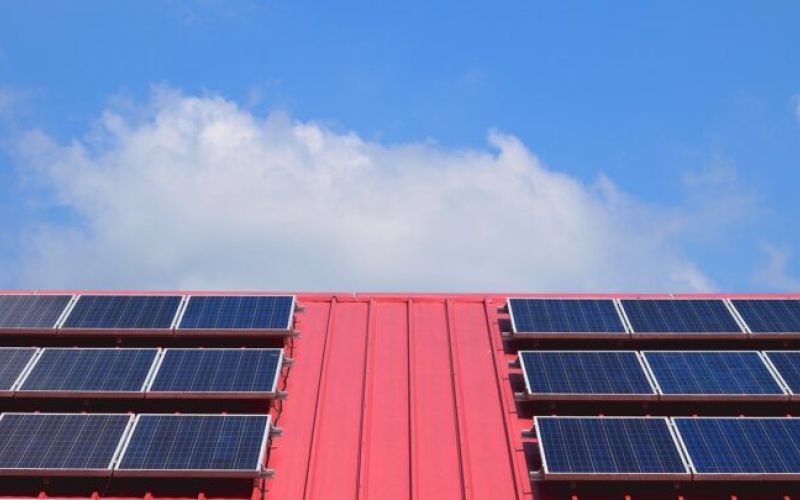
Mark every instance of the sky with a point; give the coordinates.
(403, 146)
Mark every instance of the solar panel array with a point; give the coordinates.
(769, 316)
(550, 374)
(567, 315)
(654, 447)
(707, 373)
(237, 313)
(191, 444)
(125, 312)
(31, 311)
(220, 371)
(680, 316)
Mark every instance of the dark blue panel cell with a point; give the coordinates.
(770, 316)
(217, 370)
(595, 445)
(196, 442)
(94, 370)
(742, 445)
(59, 441)
(680, 316)
(123, 312)
(12, 361)
(579, 372)
(788, 365)
(31, 311)
(245, 313)
(709, 372)
(555, 315)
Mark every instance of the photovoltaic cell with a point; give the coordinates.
(238, 313)
(608, 446)
(788, 365)
(770, 315)
(712, 373)
(12, 361)
(565, 315)
(90, 370)
(680, 316)
(123, 312)
(31, 311)
(585, 372)
(199, 443)
(59, 441)
(217, 370)
(761, 446)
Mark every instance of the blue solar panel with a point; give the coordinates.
(770, 316)
(123, 312)
(90, 370)
(575, 446)
(585, 372)
(712, 373)
(680, 316)
(76, 442)
(788, 365)
(740, 446)
(238, 313)
(196, 443)
(12, 361)
(31, 311)
(555, 316)
(218, 371)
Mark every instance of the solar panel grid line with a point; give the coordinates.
(121, 471)
(608, 368)
(95, 372)
(736, 316)
(81, 449)
(742, 454)
(14, 364)
(597, 456)
(236, 370)
(750, 377)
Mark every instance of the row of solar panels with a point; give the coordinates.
(148, 445)
(665, 375)
(150, 313)
(616, 318)
(144, 372)
(678, 448)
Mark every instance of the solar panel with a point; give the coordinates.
(787, 364)
(680, 316)
(742, 448)
(65, 371)
(573, 316)
(609, 448)
(122, 312)
(706, 374)
(58, 444)
(585, 375)
(770, 315)
(224, 372)
(263, 313)
(31, 311)
(13, 360)
(195, 445)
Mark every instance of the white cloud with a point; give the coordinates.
(199, 193)
(774, 272)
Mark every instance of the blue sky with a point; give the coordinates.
(688, 111)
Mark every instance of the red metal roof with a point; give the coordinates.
(409, 396)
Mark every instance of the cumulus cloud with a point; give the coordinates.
(196, 192)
